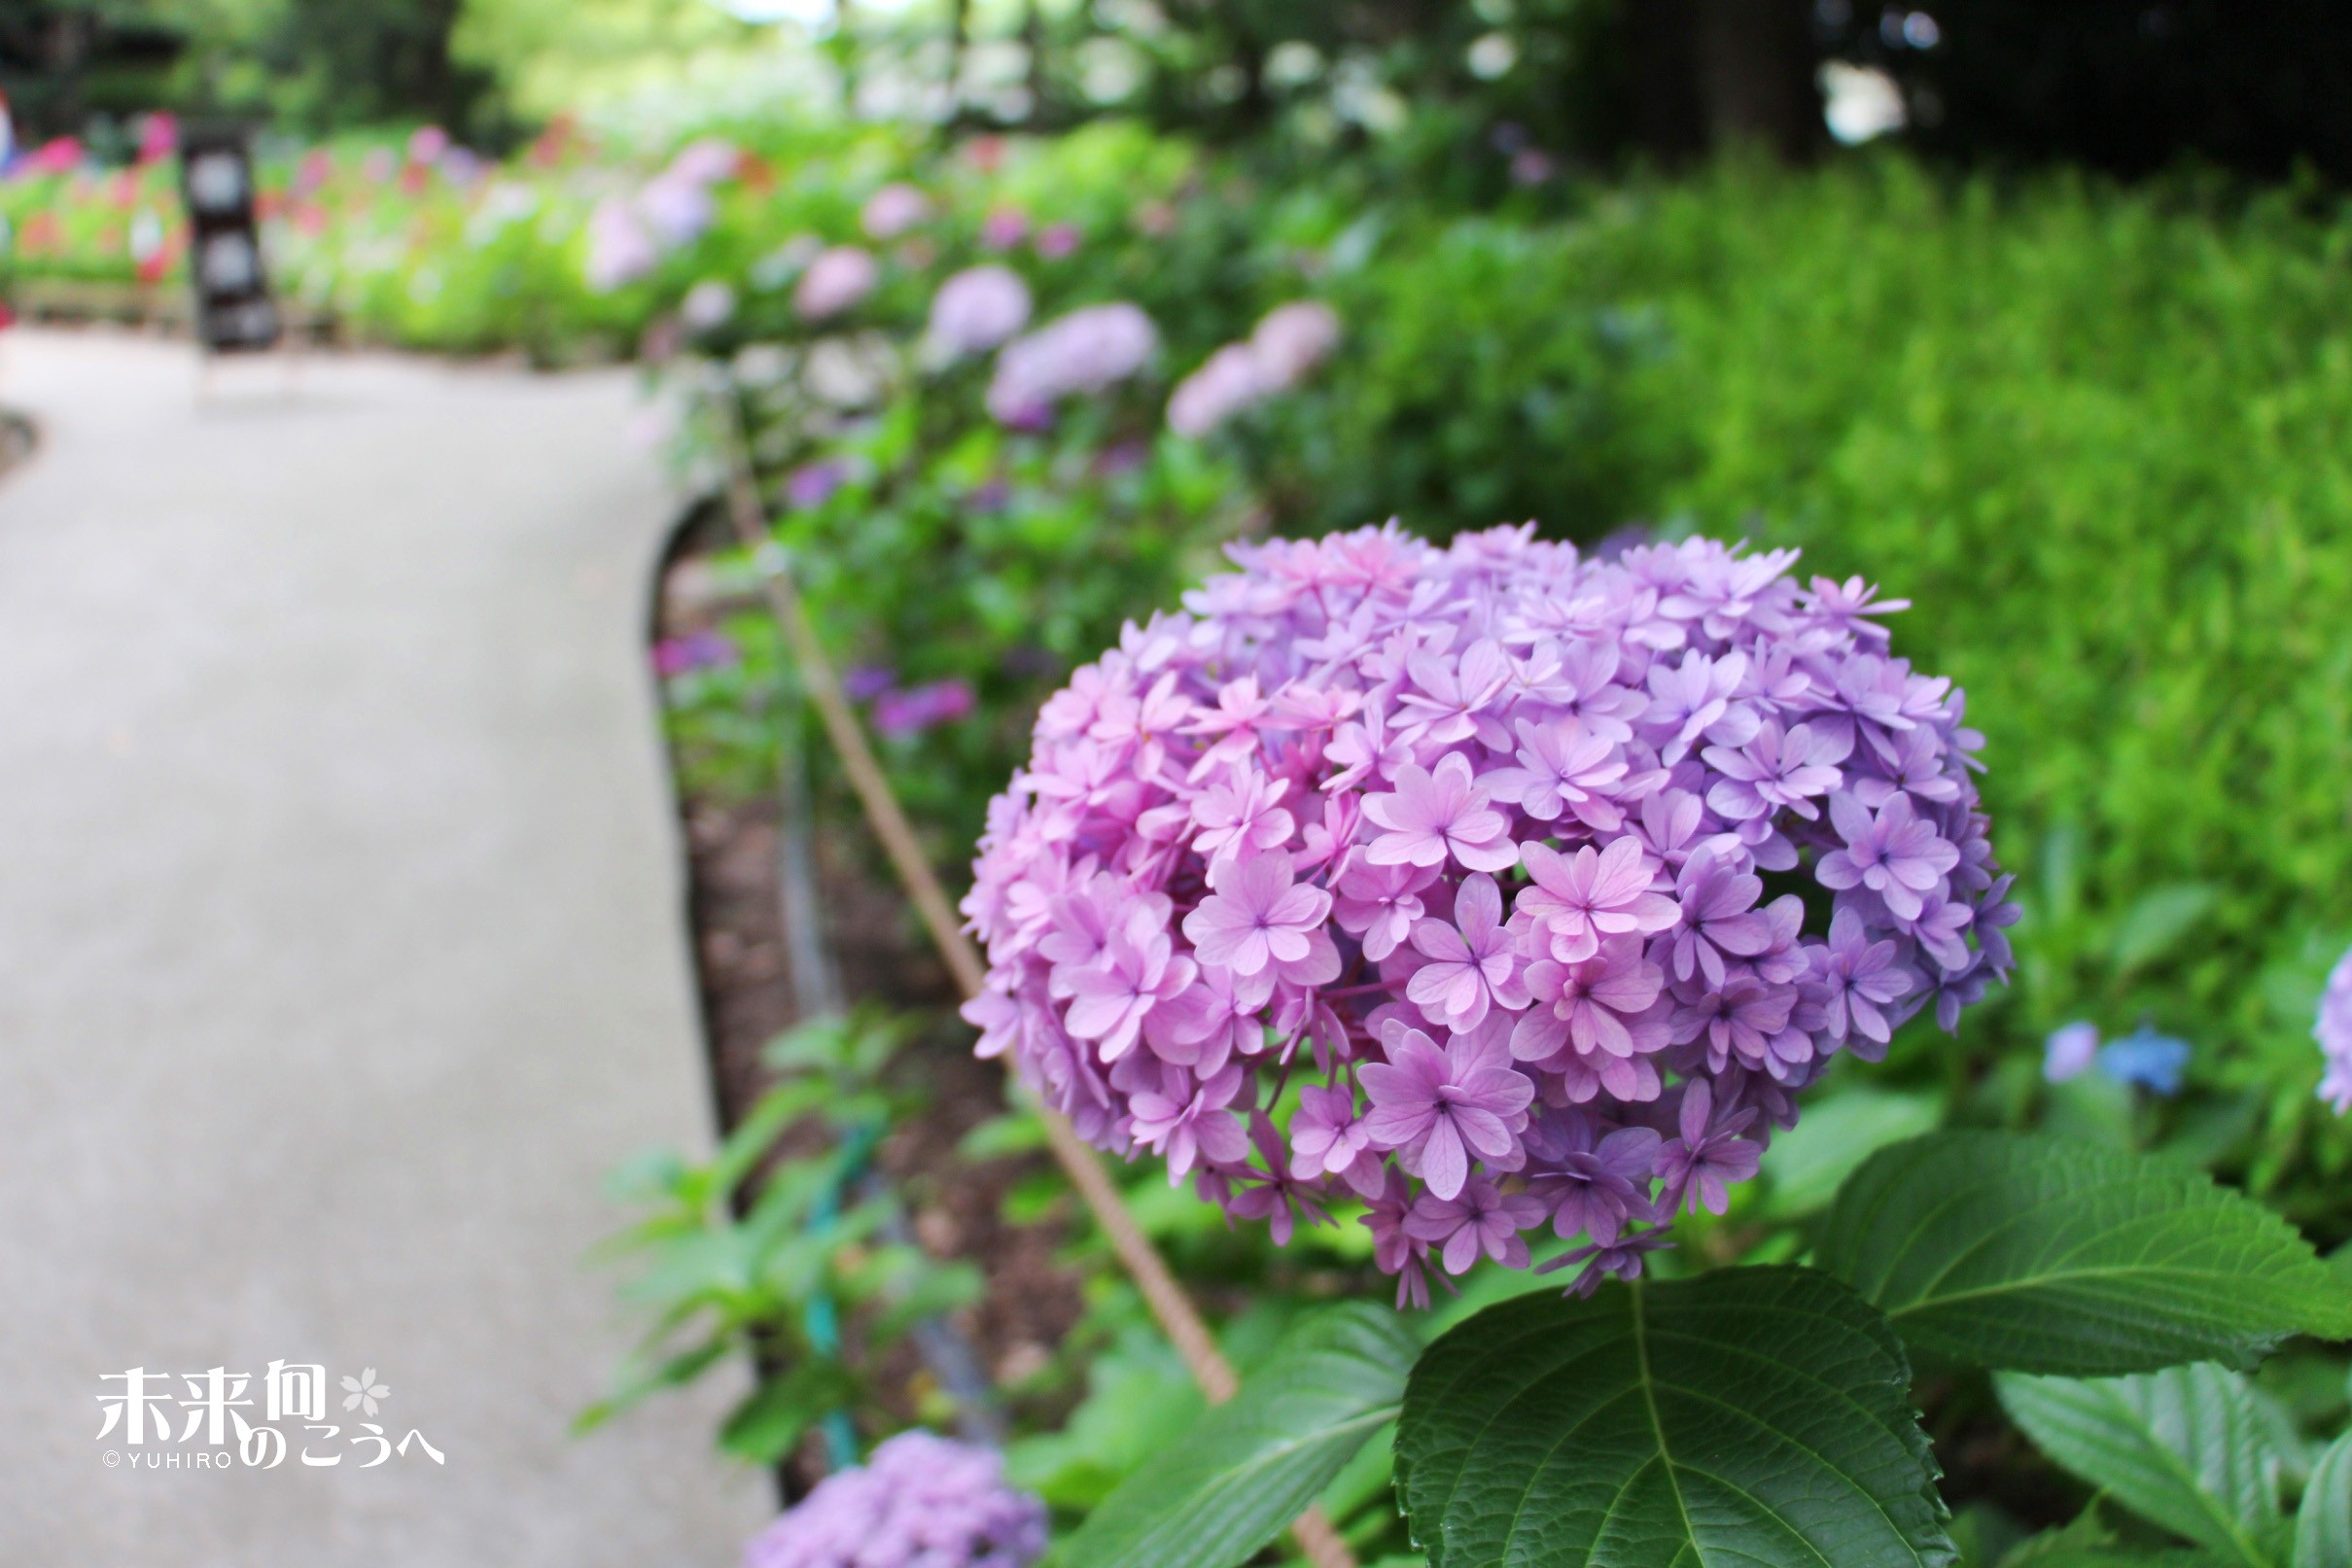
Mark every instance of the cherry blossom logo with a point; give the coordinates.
(363, 1392)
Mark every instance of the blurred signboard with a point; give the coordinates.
(233, 308)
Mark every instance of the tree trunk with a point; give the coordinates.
(1755, 76)
(64, 50)
(1662, 68)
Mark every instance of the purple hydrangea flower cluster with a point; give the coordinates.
(626, 238)
(892, 210)
(1291, 340)
(1496, 884)
(2333, 1032)
(977, 309)
(900, 714)
(838, 278)
(1088, 351)
(922, 1501)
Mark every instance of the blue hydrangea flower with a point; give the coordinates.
(2146, 1059)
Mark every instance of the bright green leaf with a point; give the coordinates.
(1140, 1400)
(2185, 1448)
(1807, 1163)
(1251, 1466)
(767, 1425)
(1017, 1132)
(2036, 1255)
(1752, 1416)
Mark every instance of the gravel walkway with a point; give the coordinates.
(340, 959)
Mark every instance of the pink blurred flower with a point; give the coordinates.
(836, 280)
(676, 210)
(1227, 383)
(1004, 228)
(703, 161)
(899, 714)
(619, 250)
(158, 135)
(977, 309)
(1294, 339)
(1290, 340)
(1085, 352)
(892, 210)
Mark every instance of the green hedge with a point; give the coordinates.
(2103, 439)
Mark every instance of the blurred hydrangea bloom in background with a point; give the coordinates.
(892, 210)
(619, 250)
(922, 1501)
(1290, 342)
(708, 305)
(1088, 351)
(2070, 1051)
(1004, 228)
(627, 237)
(899, 714)
(2142, 1059)
(2146, 1060)
(1454, 860)
(838, 278)
(2333, 1031)
(696, 651)
(977, 309)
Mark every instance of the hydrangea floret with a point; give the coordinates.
(2333, 1031)
(1496, 885)
(922, 1501)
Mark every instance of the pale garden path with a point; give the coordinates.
(340, 955)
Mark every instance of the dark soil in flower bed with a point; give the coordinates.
(735, 906)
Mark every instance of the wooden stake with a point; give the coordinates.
(1170, 1306)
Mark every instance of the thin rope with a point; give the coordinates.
(1170, 1306)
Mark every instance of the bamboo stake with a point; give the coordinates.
(1170, 1306)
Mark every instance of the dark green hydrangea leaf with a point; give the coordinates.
(1752, 1416)
(2037, 1255)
